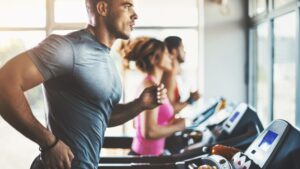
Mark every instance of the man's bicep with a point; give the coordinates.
(21, 71)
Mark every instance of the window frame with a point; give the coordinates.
(253, 22)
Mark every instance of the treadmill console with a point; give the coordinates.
(242, 120)
(277, 147)
(239, 130)
(262, 149)
(207, 113)
(181, 139)
(235, 117)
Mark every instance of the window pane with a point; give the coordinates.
(261, 6)
(280, 3)
(12, 43)
(76, 11)
(285, 67)
(257, 7)
(263, 73)
(153, 12)
(29, 13)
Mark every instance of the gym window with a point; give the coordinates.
(274, 59)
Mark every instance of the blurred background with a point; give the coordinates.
(242, 50)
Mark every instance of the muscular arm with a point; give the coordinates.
(150, 98)
(124, 112)
(146, 103)
(178, 106)
(17, 76)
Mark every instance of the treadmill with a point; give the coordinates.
(277, 147)
(181, 139)
(240, 129)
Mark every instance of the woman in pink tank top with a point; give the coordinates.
(153, 126)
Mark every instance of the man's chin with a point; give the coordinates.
(181, 60)
(124, 35)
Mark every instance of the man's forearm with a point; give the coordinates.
(178, 106)
(15, 109)
(124, 112)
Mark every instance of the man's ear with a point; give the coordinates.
(174, 52)
(102, 8)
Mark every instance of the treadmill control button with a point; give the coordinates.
(253, 151)
(222, 161)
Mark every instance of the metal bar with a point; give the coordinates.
(272, 42)
(201, 49)
(297, 115)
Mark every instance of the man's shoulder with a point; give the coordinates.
(79, 38)
(74, 34)
(70, 37)
(57, 39)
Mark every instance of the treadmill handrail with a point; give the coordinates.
(117, 142)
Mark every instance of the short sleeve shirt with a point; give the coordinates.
(82, 85)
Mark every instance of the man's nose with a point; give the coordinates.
(134, 16)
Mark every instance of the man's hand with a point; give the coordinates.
(194, 96)
(153, 96)
(58, 157)
(150, 98)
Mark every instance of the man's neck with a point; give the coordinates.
(102, 35)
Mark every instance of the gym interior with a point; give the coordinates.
(241, 55)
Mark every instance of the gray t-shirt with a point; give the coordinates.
(82, 85)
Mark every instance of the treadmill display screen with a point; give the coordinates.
(267, 141)
(234, 116)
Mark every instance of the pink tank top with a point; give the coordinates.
(143, 146)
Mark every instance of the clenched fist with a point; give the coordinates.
(153, 96)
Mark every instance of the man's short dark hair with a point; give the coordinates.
(172, 42)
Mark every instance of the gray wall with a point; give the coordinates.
(225, 47)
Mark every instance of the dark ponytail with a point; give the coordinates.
(143, 52)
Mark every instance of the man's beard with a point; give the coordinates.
(180, 59)
(117, 33)
(120, 35)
